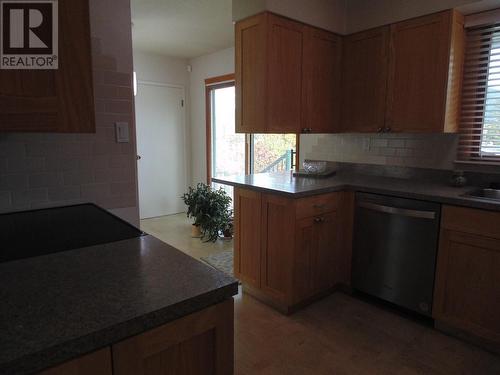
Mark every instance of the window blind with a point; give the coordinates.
(480, 118)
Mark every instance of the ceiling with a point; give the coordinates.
(182, 28)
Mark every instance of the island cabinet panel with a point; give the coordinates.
(198, 344)
(321, 81)
(287, 76)
(302, 252)
(467, 290)
(422, 73)
(97, 363)
(54, 100)
(365, 64)
(247, 243)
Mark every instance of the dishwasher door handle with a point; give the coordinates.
(431, 215)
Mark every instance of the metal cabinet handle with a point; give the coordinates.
(319, 219)
(398, 211)
(380, 130)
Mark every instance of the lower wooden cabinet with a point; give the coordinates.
(467, 291)
(277, 244)
(316, 251)
(201, 343)
(198, 344)
(298, 243)
(247, 214)
(96, 363)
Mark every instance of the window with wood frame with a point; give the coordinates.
(230, 153)
(480, 119)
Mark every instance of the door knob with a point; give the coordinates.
(138, 157)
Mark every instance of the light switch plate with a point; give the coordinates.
(122, 133)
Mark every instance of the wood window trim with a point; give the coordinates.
(212, 83)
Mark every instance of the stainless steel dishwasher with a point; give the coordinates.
(394, 249)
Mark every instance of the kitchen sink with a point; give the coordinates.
(493, 194)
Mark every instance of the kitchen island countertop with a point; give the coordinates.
(60, 306)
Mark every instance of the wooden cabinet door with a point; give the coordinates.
(284, 74)
(54, 100)
(364, 80)
(467, 290)
(277, 246)
(325, 254)
(250, 76)
(198, 344)
(321, 81)
(96, 363)
(418, 73)
(305, 244)
(317, 248)
(247, 236)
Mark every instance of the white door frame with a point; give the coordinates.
(187, 174)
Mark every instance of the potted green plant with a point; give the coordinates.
(192, 199)
(227, 228)
(210, 210)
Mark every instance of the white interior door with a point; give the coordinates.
(160, 145)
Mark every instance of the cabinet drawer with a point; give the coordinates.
(316, 205)
(470, 220)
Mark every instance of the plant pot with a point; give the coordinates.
(227, 235)
(195, 231)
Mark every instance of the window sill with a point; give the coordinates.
(478, 162)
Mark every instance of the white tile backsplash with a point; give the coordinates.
(437, 151)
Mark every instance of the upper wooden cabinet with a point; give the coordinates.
(405, 77)
(364, 80)
(425, 68)
(54, 100)
(321, 81)
(287, 76)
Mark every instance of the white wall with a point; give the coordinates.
(348, 16)
(162, 69)
(365, 14)
(327, 14)
(203, 67)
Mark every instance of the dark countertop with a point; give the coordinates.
(298, 187)
(59, 306)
